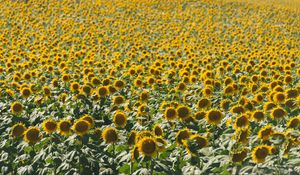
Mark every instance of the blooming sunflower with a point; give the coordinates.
(18, 130)
(147, 146)
(89, 119)
(183, 112)
(16, 107)
(32, 135)
(214, 116)
(182, 135)
(49, 126)
(110, 135)
(64, 127)
(194, 143)
(260, 153)
(170, 113)
(81, 127)
(120, 119)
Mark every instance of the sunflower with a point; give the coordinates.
(183, 112)
(132, 138)
(81, 127)
(144, 96)
(200, 115)
(120, 119)
(74, 86)
(95, 81)
(18, 130)
(279, 97)
(181, 86)
(145, 133)
(32, 135)
(110, 135)
(119, 84)
(26, 92)
(278, 113)
(161, 143)
(293, 122)
(89, 119)
(103, 91)
(269, 105)
(203, 103)
(242, 135)
(86, 89)
(225, 104)
(118, 100)
(265, 132)
(64, 127)
(241, 122)
(49, 126)
(135, 153)
(214, 116)
(237, 109)
(97, 133)
(158, 131)
(260, 153)
(47, 91)
(170, 113)
(194, 143)
(147, 146)
(258, 115)
(239, 156)
(16, 107)
(181, 135)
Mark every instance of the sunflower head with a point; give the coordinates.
(258, 115)
(64, 127)
(203, 103)
(181, 135)
(194, 143)
(214, 116)
(183, 112)
(49, 126)
(265, 132)
(120, 119)
(293, 122)
(241, 121)
(110, 135)
(18, 130)
(32, 135)
(147, 146)
(16, 107)
(132, 138)
(278, 113)
(260, 153)
(158, 131)
(239, 156)
(170, 113)
(118, 100)
(89, 119)
(81, 127)
(103, 91)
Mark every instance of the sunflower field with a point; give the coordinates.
(149, 87)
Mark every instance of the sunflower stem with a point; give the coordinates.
(151, 166)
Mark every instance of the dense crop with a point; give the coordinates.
(149, 87)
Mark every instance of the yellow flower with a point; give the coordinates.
(64, 127)
(16, 107)
(18, 130)
(81, 127)
(214, 116)
(181, 135)
(120, 119)
(260, 153)
(32, 135)
(147, 146)
(194, 143)
(183, 112)
(170, 113)
(49, 126)
(110, 135)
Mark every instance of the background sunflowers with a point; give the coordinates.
(149, 87)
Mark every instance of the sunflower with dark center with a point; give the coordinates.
(147, 146)
(214, 116)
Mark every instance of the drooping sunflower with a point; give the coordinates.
(81, 127)
(110, 135)
(265, 132)
(18, 130)
(194, 143)
(132, 138)
(260, 153)
(49, 126)
(147, 146)
(16, 107)
(158, 131)
(120, 119)
(240, 155)
(64, 127)
(32, 135)
(181, 135)
(242, 135)
(214, 116)
(293, 122)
